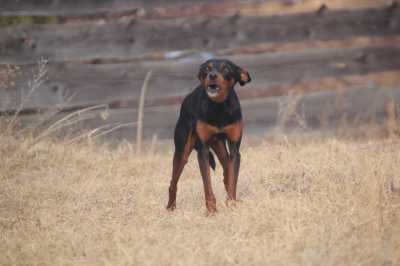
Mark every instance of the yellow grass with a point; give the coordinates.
(316, 202)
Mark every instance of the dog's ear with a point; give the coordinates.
(202, 72)
(242, 76)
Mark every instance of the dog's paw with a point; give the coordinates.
(211, 213)
(171, 207)
(211, 208)
(230, 203)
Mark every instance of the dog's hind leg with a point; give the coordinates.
(236, 166)
(233, 169)
(184, 143)
(219, 148)
(234, 136)
(203, 154)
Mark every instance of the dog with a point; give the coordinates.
(211, 119)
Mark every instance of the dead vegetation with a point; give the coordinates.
(304, 201)
(311, 200)
(8, 75)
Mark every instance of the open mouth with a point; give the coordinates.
(213, 90)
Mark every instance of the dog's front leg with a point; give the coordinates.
(236, 167)
(233, 169)
(181, 156)
(179, 163)
(204, 164)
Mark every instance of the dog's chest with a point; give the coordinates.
(220, 115)
(206, 131)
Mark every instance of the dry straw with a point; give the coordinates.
(320, 201)
(311, 201)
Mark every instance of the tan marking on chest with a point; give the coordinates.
(234, 131)
(206, 131)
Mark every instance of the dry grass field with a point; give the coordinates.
(327, 198)
(312, 201)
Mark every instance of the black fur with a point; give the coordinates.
(210, 119)
(198, 106)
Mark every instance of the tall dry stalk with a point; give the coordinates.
(8, 75)
(139, 131)
(39, 77)
(68, 120)
(288, 111)
(391, 123)
(44, 127)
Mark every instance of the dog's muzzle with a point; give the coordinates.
(213, 90)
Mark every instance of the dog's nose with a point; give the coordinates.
(212, 75)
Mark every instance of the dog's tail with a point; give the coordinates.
(212, 160)
(210, 155)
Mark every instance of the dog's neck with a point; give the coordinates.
(221, 113)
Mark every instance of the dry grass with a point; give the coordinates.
(316, 202)
(8, 75)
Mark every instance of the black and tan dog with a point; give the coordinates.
(211, 117)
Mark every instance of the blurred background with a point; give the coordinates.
(316, 65)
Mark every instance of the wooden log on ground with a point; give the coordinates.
(158, 9)
(320, 110)
(119, 84)
(87, 41)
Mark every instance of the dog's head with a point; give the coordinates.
(219, 76)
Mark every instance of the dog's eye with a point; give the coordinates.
(226, 72)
